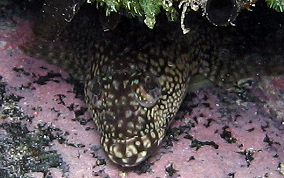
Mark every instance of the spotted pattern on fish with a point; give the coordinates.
(136, 78)
(135, 95)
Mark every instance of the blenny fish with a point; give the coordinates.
(135, 78)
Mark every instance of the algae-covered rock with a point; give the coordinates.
(145, 8)
(278, 5)
(218, 12)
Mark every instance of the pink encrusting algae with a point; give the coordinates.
(45, 128)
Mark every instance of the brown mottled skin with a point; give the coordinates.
(136, 78)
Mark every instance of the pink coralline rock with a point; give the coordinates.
(46, 131)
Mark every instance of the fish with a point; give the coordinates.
(136, 78)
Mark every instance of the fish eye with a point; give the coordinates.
(94, 91)
(149, 90)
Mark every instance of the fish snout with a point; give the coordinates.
(130, 152)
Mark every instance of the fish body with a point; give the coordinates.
(136, 78)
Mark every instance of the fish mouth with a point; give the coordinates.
(130, 152)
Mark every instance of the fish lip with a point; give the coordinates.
(130, 152)
(130, 161)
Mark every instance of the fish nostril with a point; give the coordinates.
(130, 151)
